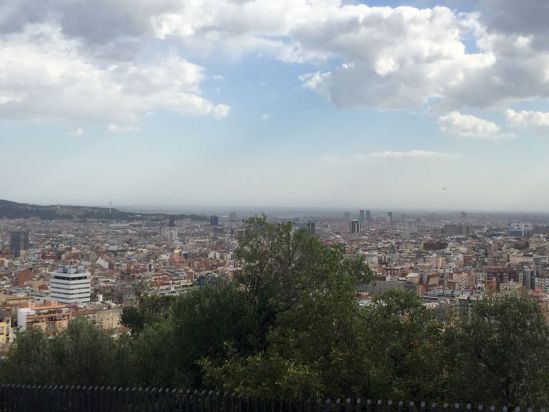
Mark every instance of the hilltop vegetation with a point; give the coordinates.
(13, 210)
(291, 326)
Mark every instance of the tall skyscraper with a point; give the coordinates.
(70, 285)
(172, 235)
(362, 216)
(171, 221)
(368, 215)
(214, 220)
(390, 216)
(311, 227)
(19, 241)
(354, 227)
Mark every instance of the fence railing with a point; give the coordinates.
(23, 398)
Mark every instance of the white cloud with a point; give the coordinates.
(384, 57)
(43, 74)
(394, 58)
(411, 154)
(116, 128)
(79, 131)
(265, 116)
(388, 154)
(470, 126)
(527, 118)
(390, 58)
(526, 18)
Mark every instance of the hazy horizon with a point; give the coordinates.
(250, 209)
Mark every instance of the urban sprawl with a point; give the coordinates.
(55, 271)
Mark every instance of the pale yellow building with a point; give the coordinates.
(108, 319)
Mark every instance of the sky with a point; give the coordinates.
(276, 103)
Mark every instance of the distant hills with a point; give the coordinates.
(14, 210)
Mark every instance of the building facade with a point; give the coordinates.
(19, 241)
(70, 285)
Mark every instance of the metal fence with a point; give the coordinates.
(23, 398)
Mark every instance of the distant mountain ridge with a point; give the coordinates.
(14, 210)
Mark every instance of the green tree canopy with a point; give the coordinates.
(503, 353)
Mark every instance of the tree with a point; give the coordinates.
(503, 353)
(306, 294)
(29, 360)
(80, 355)
(280, 265)
(405, 348)
(149, 309)
(211, 323)
(83, 355)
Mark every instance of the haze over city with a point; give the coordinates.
(380, 104)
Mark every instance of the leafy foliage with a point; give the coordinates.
(504, 350)
(150, 309)
(81, 355)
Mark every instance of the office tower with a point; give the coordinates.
(311, 227)
(451, 230)
(346, 215)
(19, 241)
(70, 285)
(362, 216)
(171, 221)
(172, 235)
(368, 215)
(214, 221)
(390, 216)
(354, 226)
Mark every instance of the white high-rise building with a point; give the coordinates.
(70, 285)
(172, 235)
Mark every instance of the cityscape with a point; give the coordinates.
(274, 205)
(54, 271)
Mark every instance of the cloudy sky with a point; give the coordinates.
(309, 103)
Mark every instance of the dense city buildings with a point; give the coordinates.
(54, 271)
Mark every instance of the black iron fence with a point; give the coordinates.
(23, 398)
